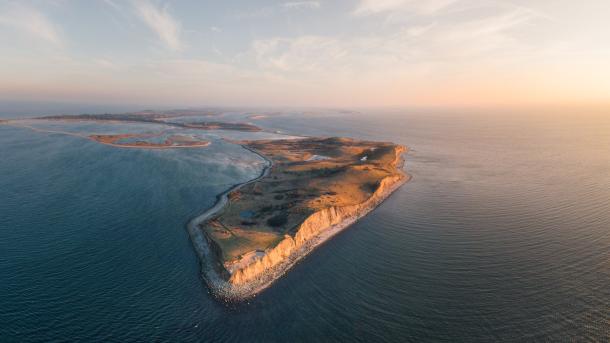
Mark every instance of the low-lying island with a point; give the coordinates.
(310, 189)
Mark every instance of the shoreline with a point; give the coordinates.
(201, 242)
(201, 144)
(227, 291)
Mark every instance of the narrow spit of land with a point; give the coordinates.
(131, 140)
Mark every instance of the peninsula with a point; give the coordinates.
(132, 140)
(310, 189)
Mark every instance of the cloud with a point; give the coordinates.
(370, 7)
(432, 46)
(301, 4)
(114, 5)
(31, 21)
(105, 63)
(271, 10)
(300, 54)
(161, 22)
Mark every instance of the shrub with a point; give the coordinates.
(278, 220)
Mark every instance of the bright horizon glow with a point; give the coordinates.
(307, 53)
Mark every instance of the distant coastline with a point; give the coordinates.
(138, 141)
(111, 140)
(156, 118)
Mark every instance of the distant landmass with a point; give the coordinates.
(162, 118)
(145, 140)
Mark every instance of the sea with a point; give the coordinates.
(502, 235)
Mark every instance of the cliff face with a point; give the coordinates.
(315, 225)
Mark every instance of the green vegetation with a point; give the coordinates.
(278, 220)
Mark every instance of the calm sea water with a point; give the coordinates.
(502, 235)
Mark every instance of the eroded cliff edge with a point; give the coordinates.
(310, 190)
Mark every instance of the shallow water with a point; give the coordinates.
(503, 234)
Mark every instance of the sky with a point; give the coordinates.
(307, 53)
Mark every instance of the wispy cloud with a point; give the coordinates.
(478, 40)
(161, 22)
(285, 7)
(114, 5)
(370, 52)
(370, 7)
(300, 54)
(301, 4)
(31, 21)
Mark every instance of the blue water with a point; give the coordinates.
(502, 235)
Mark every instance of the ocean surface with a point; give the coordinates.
(503, 235)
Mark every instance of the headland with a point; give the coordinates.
(309, 190)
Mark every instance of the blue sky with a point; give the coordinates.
(306, 53)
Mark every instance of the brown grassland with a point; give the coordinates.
(307, 175)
